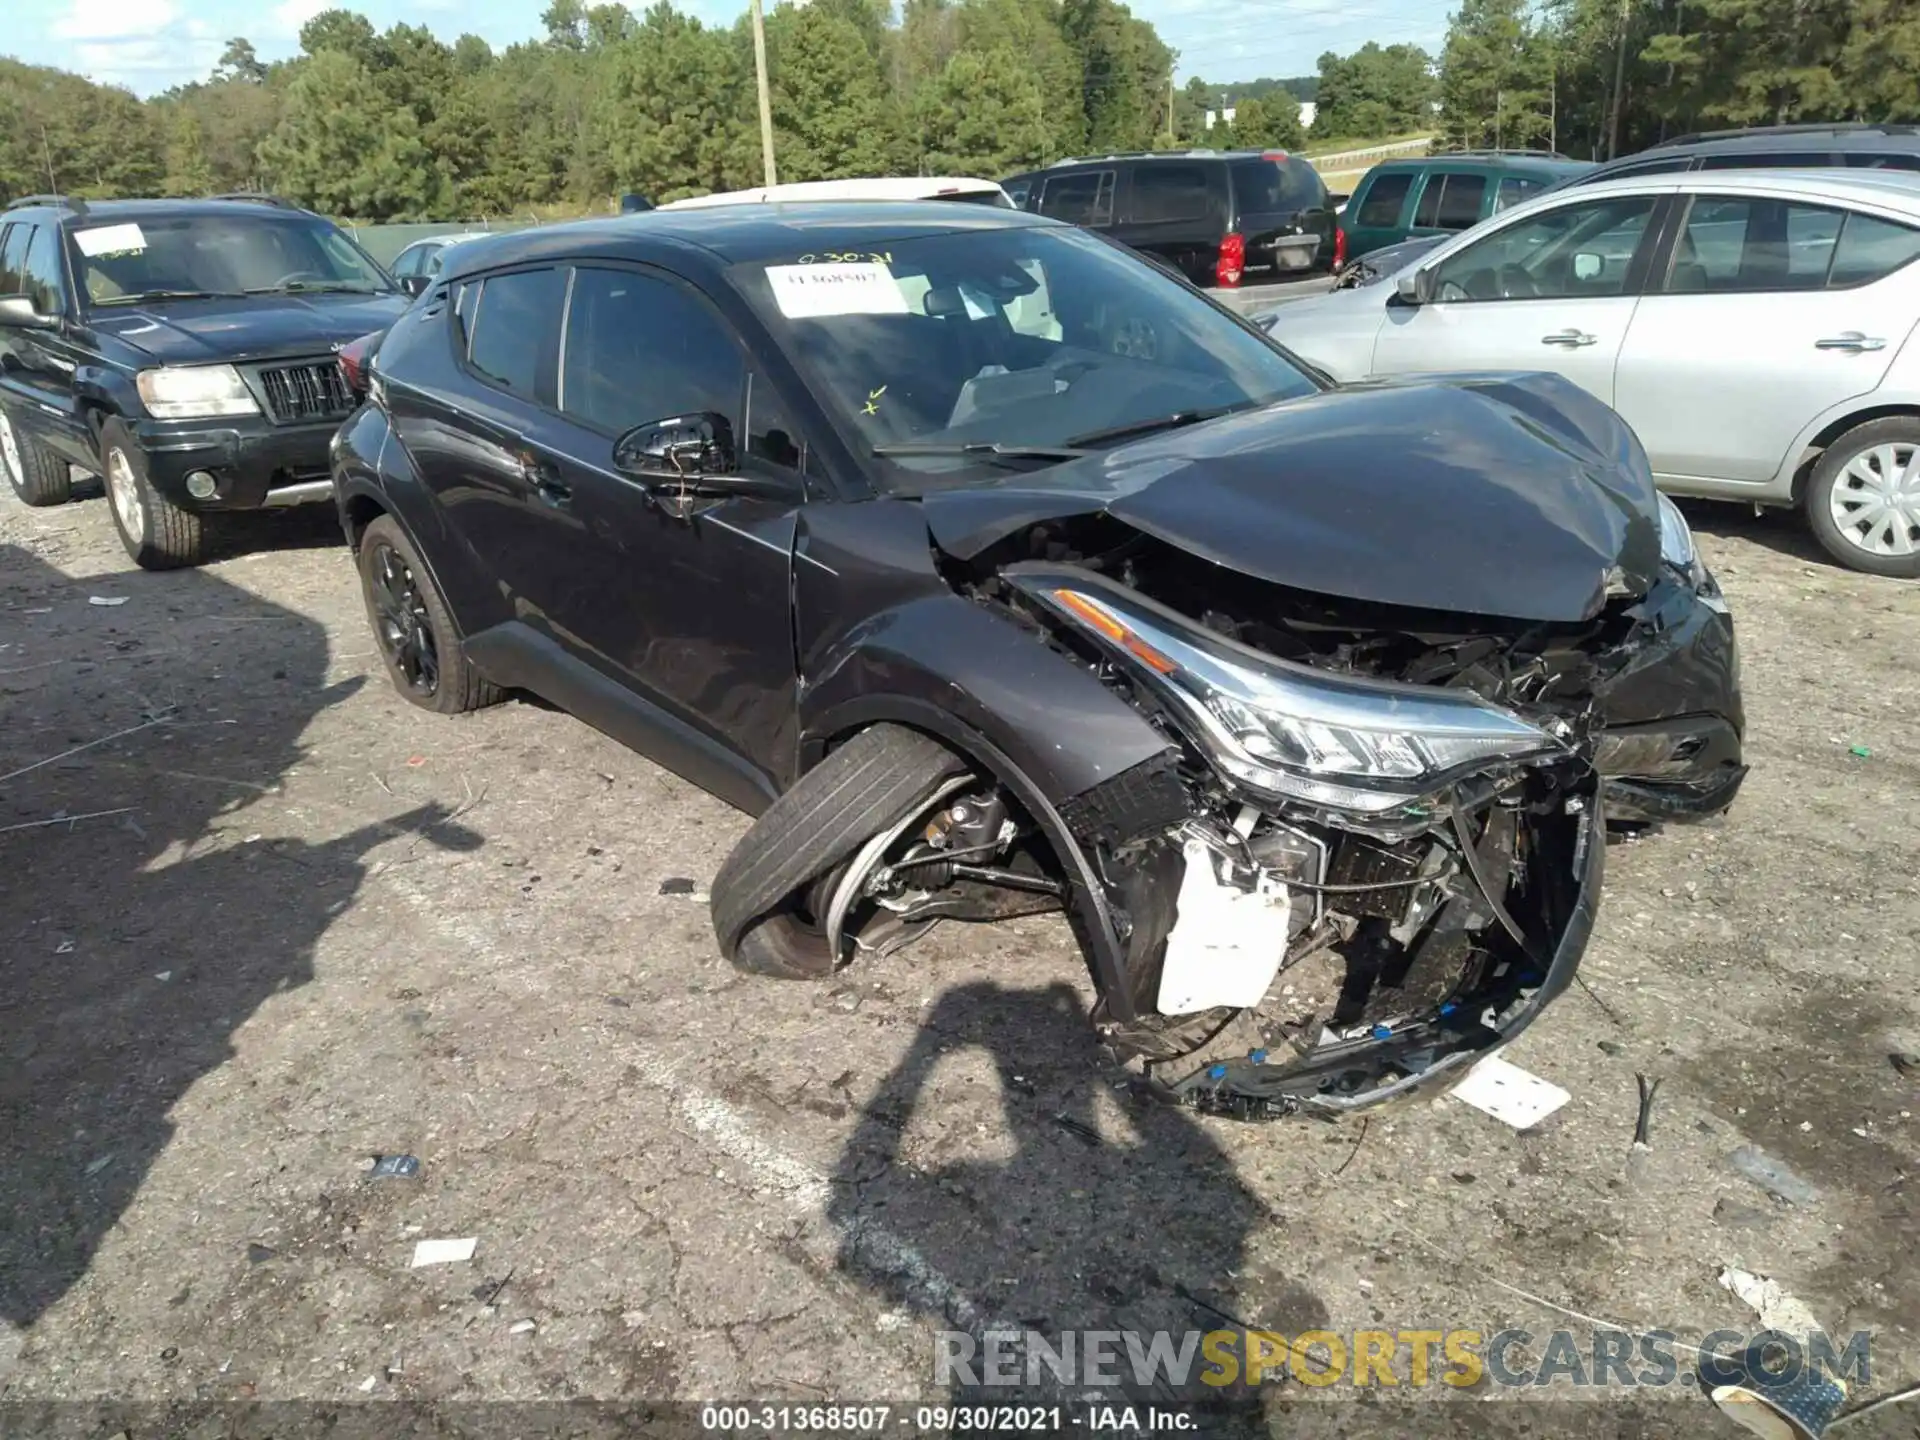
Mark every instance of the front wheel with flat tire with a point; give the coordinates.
(1863, 502)
(38, 476)
(423, 652)
(157, 533)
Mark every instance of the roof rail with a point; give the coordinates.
(70, 201)
(1838, 128)
(258, 198)
(1502, 152)
(1196, 152)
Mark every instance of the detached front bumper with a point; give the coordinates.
(252, 462)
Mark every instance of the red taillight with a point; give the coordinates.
(1233, 260)
(356, 361)
(1339, 246)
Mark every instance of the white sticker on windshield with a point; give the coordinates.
(805, 292)
(110, 240)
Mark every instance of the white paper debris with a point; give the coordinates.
(366, 1385)
(442, 1252)
(110, 240)
(520, 1327)
(1226, 943)
(1509, 1094)
(1776, 1308)
(106, 599)
(805, 292)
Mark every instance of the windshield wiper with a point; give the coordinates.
(1174, 421)
(984, 450)
(339, 287)
(140, 296)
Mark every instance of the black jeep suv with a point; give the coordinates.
(184, 350)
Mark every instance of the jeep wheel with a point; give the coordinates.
(38, 476)
(424, 656)
(158, 534)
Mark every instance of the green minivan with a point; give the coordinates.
(1439, 194)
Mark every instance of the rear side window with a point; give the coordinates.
(1739, 244)
(1169, 192)
(517, 330)
(1386, 194)
(1871, 249)
(1460, 201)
(1083, 199)
(1883, 160)
(1514, 189)
(641, 349)
(1769, 160)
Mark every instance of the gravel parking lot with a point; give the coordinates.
(290, 923)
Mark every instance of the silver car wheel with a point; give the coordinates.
(123, 488)
(10, 453)
(1875, 500)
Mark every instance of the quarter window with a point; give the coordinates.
(517, 330)
(1169, 192)
(1083, 199)
(1871, 249)
(1574, 251)
(1385, 197)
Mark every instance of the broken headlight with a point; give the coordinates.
(1290, 730)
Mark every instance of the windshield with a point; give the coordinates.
(241, 253)
(1025, 339)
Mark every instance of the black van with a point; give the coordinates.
(1214, 215)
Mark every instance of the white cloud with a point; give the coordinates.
(146, 64)
(113, 19)
(290, 15)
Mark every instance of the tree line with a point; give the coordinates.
(1517, 74)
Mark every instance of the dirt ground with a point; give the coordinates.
(291, 923)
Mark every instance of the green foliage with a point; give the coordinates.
(833, 112)
(1495, 78)
(341, 146)
(1126, 73)
(1376, 91)
(1269, 122)
(189, 171)
(674, 106)
(96, 140)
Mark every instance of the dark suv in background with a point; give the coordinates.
(1214, 215)
(184, 351)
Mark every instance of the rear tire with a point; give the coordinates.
(761, 893)
(1857, 505)
(157, 533)
(38, 476)
(424, 655)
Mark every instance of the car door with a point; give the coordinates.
(1079, 197)
(1172, 210)
(1450, 201)
(1771, 312)
(1375, 216)
(686, 603)
(36, 365)
(1550, 290)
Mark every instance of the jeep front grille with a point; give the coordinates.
(312, 390)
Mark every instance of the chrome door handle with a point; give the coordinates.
(1852, 341)
(1572, 339)
(545, 480)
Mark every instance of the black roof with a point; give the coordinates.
(733, 233)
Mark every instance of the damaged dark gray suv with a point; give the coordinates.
(996, 571)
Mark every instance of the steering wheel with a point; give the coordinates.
(293, 275)
(1517, 284)
(1451, 290)
(1135, 338)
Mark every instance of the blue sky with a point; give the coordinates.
(151, 44)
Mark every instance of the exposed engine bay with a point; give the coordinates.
(1291, 942)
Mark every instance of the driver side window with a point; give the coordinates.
(1576, 251)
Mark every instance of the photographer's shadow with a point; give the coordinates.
(1073, 1233)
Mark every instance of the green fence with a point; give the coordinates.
(385, 242)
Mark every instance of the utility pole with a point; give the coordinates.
(1553, 102)
(1619, 82)
(769, 175)
(1169, 107)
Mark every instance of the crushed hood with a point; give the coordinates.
(259, 327)
(1515, 495)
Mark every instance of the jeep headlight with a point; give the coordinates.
(1290, 730)
(193, 392)
(1676, 538)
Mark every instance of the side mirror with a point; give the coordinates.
(682, 448)
(1588, 266)
(414, 284)
(1414, 287)
(633, 203)
(17, 312)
